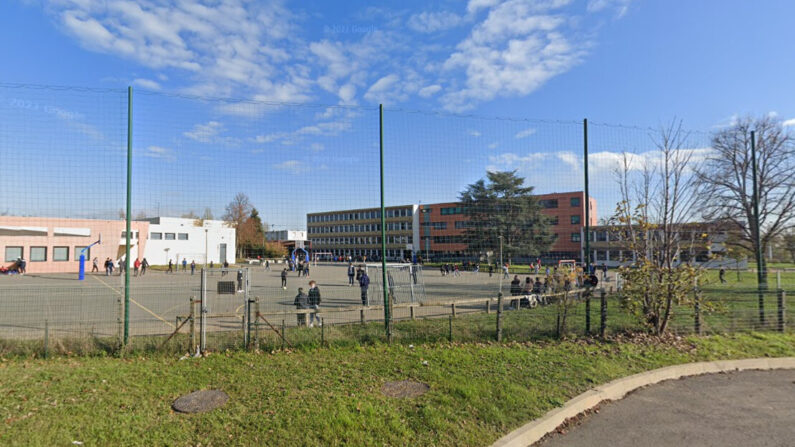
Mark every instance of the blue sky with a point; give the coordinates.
(546, 64)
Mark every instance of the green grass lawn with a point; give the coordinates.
(479, 391)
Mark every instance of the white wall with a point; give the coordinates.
(214, 232)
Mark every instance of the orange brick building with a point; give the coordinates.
(442, 227)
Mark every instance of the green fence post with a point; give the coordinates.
(499, 316)
(781, 299)
(383, 227)
(450, 329)
(761, 273)
(603, 313)
(587, 204)
(697, 306)
(46, 339)
(587, 313)
(128, 218)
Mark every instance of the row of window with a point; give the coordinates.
(452, 210)
(369, 252)
(360, 228)
(360, 240)
(39, 254)
(358, 215)
(553, 203)
(169, 236)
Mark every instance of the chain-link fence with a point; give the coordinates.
(115, 206)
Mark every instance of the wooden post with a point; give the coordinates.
(603, 313)
(450, 329)
(499, 317)
(361, 315)
(452, 309)
(256, 325)
(588, 313)
(781, 299)
(192, 324)
(697, 310)
(411, 312)
(488, 306)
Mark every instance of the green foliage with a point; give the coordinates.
(502, 206)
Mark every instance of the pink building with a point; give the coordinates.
(53, 245)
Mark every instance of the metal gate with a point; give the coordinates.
(224, 303)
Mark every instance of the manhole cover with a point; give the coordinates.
(405, 388)
(200, 401)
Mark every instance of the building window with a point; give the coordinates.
(183, 236)
(575, 201)
(575, 220)
(601, 236)
(171, 236)
(549, 203)
(38, 254)
(575, 237)
(156, 236)
(78, 249)
(60, 253)
(13, 253)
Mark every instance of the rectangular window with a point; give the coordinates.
(575, 237)
(575, 201)
(156, 236)
(78, 249)
(183, 236)
(60, 253)
(575, 220)
(38, 254)
(171, 236)
(13, 253)
(549, 203)
(601, 236)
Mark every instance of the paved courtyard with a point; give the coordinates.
(68, 306)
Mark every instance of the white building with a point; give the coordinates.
(177, 239)
(285, 235)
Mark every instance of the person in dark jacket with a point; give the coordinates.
(301, 302)
(239, 280)
(284, 278)
(364, 283)
(351, 274)
(516, 290)
(314, 303)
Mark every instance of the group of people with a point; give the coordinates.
(311, 300)
(19, 266)
(139, 266)
(185, 266)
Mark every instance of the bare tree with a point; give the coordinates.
(658, 201)
(189, 215)
(727, 176)
(237, 212)
(208, 214)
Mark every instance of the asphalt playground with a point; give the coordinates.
(67, 306)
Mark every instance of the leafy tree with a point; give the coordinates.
(728, 177)
(249, 233)
(501, 206)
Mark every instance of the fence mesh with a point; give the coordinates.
(289, 194)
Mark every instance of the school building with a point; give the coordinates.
(54, 245)
(436, 231)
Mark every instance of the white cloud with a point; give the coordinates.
(146, 83)
(293, 167)
(429, 22)
(205, 133)
(474, 133)
(160, 152)
(427, 92)
(516, 49)
(316, 147)
(525, 133)
(493, 145)
(619, 6)
(789, 122)
(385, 90)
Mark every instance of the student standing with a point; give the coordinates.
(192, 266)
(170, 267)
(136, 266)
(184, 265)
(301, 302)
(351, 274)
(95, 267)
(284, 278)
(364, 283)
(314, 303)
(144, 266)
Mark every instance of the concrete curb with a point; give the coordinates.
(533, 431)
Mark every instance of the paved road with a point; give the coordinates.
(751, 408)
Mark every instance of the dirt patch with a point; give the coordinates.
(405, 389)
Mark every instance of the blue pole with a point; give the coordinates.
(82, 274)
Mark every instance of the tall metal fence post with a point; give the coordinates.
(384, 283)
(587, 228)
(256, 323)
(602, 313)
(128, 217)
(46, 338)
(781, 299)
(761, 273)
(247, 312)
(499, 316)
(203, 313)
(450, 329)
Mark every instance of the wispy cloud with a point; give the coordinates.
(525, 133)
(293, 167)
(160, 152)
(146, 83)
